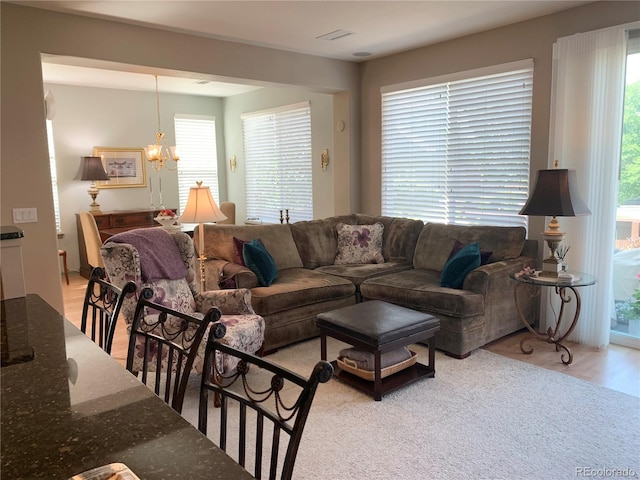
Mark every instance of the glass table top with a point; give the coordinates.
(578, 279)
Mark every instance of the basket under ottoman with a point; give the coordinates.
(379, 327)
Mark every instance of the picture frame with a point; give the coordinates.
(125, 167)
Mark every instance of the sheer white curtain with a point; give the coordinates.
(586, 130)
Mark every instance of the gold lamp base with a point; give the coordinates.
(94, 207)
(551, 266)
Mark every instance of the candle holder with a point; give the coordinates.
(161, 202)
(153, 207)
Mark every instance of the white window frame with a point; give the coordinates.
(456, 148)
(278, 163)
(196, 141)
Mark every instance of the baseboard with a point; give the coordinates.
(624, 340)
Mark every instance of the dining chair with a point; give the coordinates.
(168, 341)
(229, 210)
(101, 308)
(257, 390)
(92, 239)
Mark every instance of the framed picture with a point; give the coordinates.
(124, 166)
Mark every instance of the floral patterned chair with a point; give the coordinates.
(165, 262)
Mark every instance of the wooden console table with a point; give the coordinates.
(110, 223)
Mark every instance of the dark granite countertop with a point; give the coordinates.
(73, 408)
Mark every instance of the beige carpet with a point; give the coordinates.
(485, 417)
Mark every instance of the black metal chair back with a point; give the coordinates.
(101, 309)
(166, 343)
(270, 392)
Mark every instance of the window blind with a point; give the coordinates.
(277, 155)
(458, 152)
(196, 140)
(54, 175)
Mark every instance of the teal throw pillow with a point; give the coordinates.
(457, 267)
(259, 261)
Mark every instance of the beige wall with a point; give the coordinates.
(28, 32)
(321, 138)
(531, 39)
(89, 117)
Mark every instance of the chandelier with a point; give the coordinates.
(160, 152)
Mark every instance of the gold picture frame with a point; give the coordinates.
(124, 166)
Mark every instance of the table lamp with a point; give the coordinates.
(93, 170)
(201, 208)
(555, 195)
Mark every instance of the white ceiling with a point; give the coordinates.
(377, 27)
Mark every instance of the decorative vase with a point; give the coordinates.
(165, 221)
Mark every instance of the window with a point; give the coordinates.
(54, 175)
(277, 154)
(625, 324)
(196, 139)
(456, 149)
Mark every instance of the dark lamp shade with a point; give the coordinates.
(555, 195)
(92, 169)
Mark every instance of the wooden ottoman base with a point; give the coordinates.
(378, 327)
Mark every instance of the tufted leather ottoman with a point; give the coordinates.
(379, 327)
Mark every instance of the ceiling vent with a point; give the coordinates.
(335, 35)
(201, 82)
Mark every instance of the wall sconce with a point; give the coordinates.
(233, 163)
(324, 159)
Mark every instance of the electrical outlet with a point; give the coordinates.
(25, 215)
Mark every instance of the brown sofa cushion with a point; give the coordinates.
(399, 238)
(360, 272)
(277, 238)
(421, 290)
(317, 240)
(436, 241)
(297, 287)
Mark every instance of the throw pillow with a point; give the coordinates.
(359, 244)
(485, 255)
(259, 261)
(238, 245)
(366, 360)
(459, 265)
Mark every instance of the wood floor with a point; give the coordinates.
(614, 367)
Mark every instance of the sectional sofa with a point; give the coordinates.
(313, 275)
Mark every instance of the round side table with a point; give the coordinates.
(566, 291)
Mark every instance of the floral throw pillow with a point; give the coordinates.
(359, 244)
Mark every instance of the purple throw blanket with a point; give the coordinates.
(159, 254)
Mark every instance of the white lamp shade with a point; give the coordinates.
(201, 207)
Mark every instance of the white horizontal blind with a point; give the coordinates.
(458, 152)
(196, 140)
(54, 175)
(277, 154)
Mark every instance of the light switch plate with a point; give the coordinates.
(25, 215)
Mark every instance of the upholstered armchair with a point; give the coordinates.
(165, 262)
